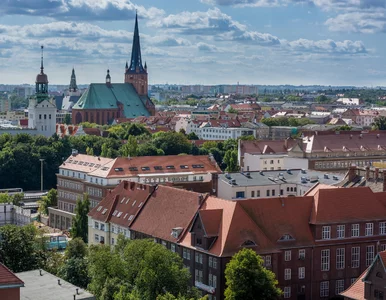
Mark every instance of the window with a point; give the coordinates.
(324, 288)
(378, 295)
(96, 225)
(253, 194)
(369, 255)
(199, 258)
(326, 232)
(355, 230)
(49, 116)
(287, 274)
(268, 261)
(267, 193)
(257, 193)
(287, 292)
(173, 247)
(112, 241)
(369, 229)
(40, 117)
(302, 272)
(340, 258)
(198, 275)
(271, 162)
(382, 228)
(339, 286)
(340, 229)
(213, 262)
(96, 238)
(383, 247)
(325, 255)
(302, 254)
(355, 255)
(352, 280)
(212, 280)
(281, 192)
(287, 255)
(186, 254)
(273, 193)
(240, 194)
(45, 117)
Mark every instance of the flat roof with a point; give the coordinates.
(294, 176)
(46, 287)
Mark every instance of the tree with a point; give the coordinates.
(17, 199)
(172, 143)
(230, 159)
(247, 279)
(104, 152)
(321, 99)
(74, 270)
(80, 221)
(130, 148)
(76, 248)
(67, 119)
(380, 123)
(231, 110)
(50, 200)
(192, 136)
(89, 151)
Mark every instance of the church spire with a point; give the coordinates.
(73, 87)
(41, 64)
(136, 58)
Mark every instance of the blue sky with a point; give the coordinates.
(329, 42)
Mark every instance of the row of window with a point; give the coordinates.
(45, 117)
(324, 288)
(288, 254)
(67, 195)
(66, 206)
(94, 192)
(355, 230)
(212, 280)
(340, 257)
(341, 164)
(70, 184)
(271, 162)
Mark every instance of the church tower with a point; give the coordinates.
(136, 74)
(42, 111)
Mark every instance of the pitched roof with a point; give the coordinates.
(122, 204)
(211, 220)
(260, 147)
(7, 277)
(84, 163)
(102, 96)
(171, 207)
(143, 165)
(357, 290)
(347, 205)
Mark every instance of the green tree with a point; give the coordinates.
(67, 119)
(74, 270)
(105, 149)
(172, 143)
(130, 148)
(19, 248)
(17, 199)
(5, 198)
(231, 110)
(230, 159)
(50, 200)
(80, 221)
(321, 99)
(192, 136)
(247, 279)
(89, 151)
(76, 248)
(380, 123)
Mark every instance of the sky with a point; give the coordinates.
(326, 42)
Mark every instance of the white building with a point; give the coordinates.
(267, 184)
(258, 162)
(224, 133)
(349, 101)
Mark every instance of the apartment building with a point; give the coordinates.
(317, 245)
(270, 184)
(95, 176)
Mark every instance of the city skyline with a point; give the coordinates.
(326, 42)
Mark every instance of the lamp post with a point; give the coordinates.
(41, 174)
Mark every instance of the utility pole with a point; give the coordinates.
(41, 174)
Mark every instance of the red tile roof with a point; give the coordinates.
(258, 147)
(211, 220)
(7, 277)
(166, 209)
(347, 205)
(357, 290)
(122, 204)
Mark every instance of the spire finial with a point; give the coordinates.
(41, 66)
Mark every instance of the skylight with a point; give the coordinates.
(131, 217)
(184, 167)
(170, 167)
(104, 211)
(133, 169)
(119, 214)
(158, 168)
(99, 208)
(115, 213)
(198, 166)
(145, 169)
(118, 169)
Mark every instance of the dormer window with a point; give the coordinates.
(248, 243)
(286, 237)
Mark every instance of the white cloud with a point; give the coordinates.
(363, 22)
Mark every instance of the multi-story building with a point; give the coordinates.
(317, 244)
(5, 104)
(270, 184)
(95, 176)
(223, 133)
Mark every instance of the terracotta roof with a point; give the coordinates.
(92, 131)
(7, 277)
(166, 209)
(121, 205)
(142, 165)
(257, 147)
(347, 205)
(312, 191)
(211, 220)
(85, 163)
(357, 290)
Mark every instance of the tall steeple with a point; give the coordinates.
(73, 87)
(41, 82)
(136, 74)
(136, 58)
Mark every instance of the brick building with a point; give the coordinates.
(10, 284)
(317, 244)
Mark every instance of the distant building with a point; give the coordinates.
(72, 96)
(42, 110)
(5, 104)
(350, 101)
(104, 102)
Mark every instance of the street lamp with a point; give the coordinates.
(41, 174)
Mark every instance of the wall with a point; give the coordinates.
(10, 294)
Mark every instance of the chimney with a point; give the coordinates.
(367, 176)
(376, 175)
(77, 291)
(74, 297)
(352, 173)
(126, 185)
(59, 282)
(200, 199)
(40, 272)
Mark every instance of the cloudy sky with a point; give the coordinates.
(337, 42)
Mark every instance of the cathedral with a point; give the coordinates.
(41, 109)
(104, 102)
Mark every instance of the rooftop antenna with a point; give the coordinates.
(41, 66)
